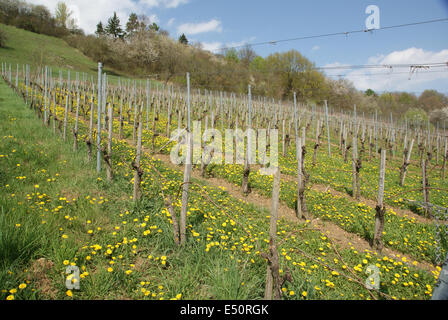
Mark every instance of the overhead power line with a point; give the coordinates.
(380, 74)
(389, 66)
(346, 33)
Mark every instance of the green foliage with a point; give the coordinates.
(231, 55)
(431, 100)
(370, 92)
(63, 15)
(113, 27)
(132, 24)
(183, 39)
(154, 27)
(258, 65)
(407, 100)
(295, 73)
(40, 50)
(34, 18)
(3, 38)
(100, 29)
(416, 116)
(246, 55)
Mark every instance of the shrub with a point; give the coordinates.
(3, 39)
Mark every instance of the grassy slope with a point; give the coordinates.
(37, 49)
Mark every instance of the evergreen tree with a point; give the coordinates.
(183, 39)
(154, 27)
(100, 29)
(133, 24)
(113, 27)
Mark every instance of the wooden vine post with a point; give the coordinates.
(273, 281)
(317, 144)
(136, 164)
(328, 129)
(75, 129)
(445, 157)
(356, 166)
(46, 91)
(89, 140)
(65, 116)
(246, 172)
(301, 175)
(120, 120)
(425, 184)
(205, 152)
(406, 162)
(98, 133)
(380, 207)
(108, 154)
(187, 170)
(356, 161)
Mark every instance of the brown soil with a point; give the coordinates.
(38, 273)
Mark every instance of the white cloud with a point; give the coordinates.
(174, 3)
(239, 44)
(170, 22)
(217, 47)
(154, 18)
(315, 48)
(213, 25)
(88, 13)
(163, 3)
(399, 79)
(212, 46)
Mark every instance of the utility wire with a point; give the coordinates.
(381, 74)
(343, 67)
(346, 33)
(390, 66)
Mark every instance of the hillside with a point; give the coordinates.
(37, 49)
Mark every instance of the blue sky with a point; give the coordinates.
(226, 23)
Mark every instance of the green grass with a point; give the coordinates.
(39, 50)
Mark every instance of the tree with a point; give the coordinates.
(2, 39)
(431, 100)
(439, 116)
(100, 29)
(183, 39)
(139, 49)
(388, 103)
(405, 101)
(247, 55)
(63, 14)
(113, 27)
(370, 92)
(154, 27)
(416, 117)
(258, 64)
(231, 55)
(133, 23)
(294, 72)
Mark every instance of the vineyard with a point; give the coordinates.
(353, 206)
